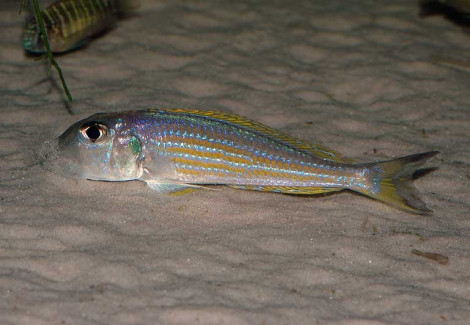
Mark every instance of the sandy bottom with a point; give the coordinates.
(371, 79)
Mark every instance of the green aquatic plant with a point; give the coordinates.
(48, 54)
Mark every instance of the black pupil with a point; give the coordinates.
(93, 132)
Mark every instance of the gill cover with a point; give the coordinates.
(97, 150)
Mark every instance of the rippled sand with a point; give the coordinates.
(371, 79)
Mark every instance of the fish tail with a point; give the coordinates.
(393, 182)
(126, 6)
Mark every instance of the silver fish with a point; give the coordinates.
(176, 149)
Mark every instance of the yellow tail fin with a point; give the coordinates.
(393, 181)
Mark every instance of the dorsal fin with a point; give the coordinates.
(317, 150)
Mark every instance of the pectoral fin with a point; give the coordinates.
(173, 187)
(165, 187)
(162, 178)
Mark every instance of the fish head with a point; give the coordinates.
(32, 40)
(100, 148)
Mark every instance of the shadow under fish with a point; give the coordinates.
(70, 24)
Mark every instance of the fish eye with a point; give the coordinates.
(94, 131)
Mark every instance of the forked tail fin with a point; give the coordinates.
(393, 182)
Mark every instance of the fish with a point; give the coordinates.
(462, 6)
(456, 10)
(175, 150)
(71, 23)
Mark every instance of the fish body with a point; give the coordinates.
(175, 149)
(69, 23)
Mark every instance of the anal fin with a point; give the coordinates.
(288, 189)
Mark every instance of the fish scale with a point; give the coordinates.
(176, 149)
(232, 154)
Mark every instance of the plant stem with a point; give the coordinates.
(52, 61)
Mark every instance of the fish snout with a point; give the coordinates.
(32, 40)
